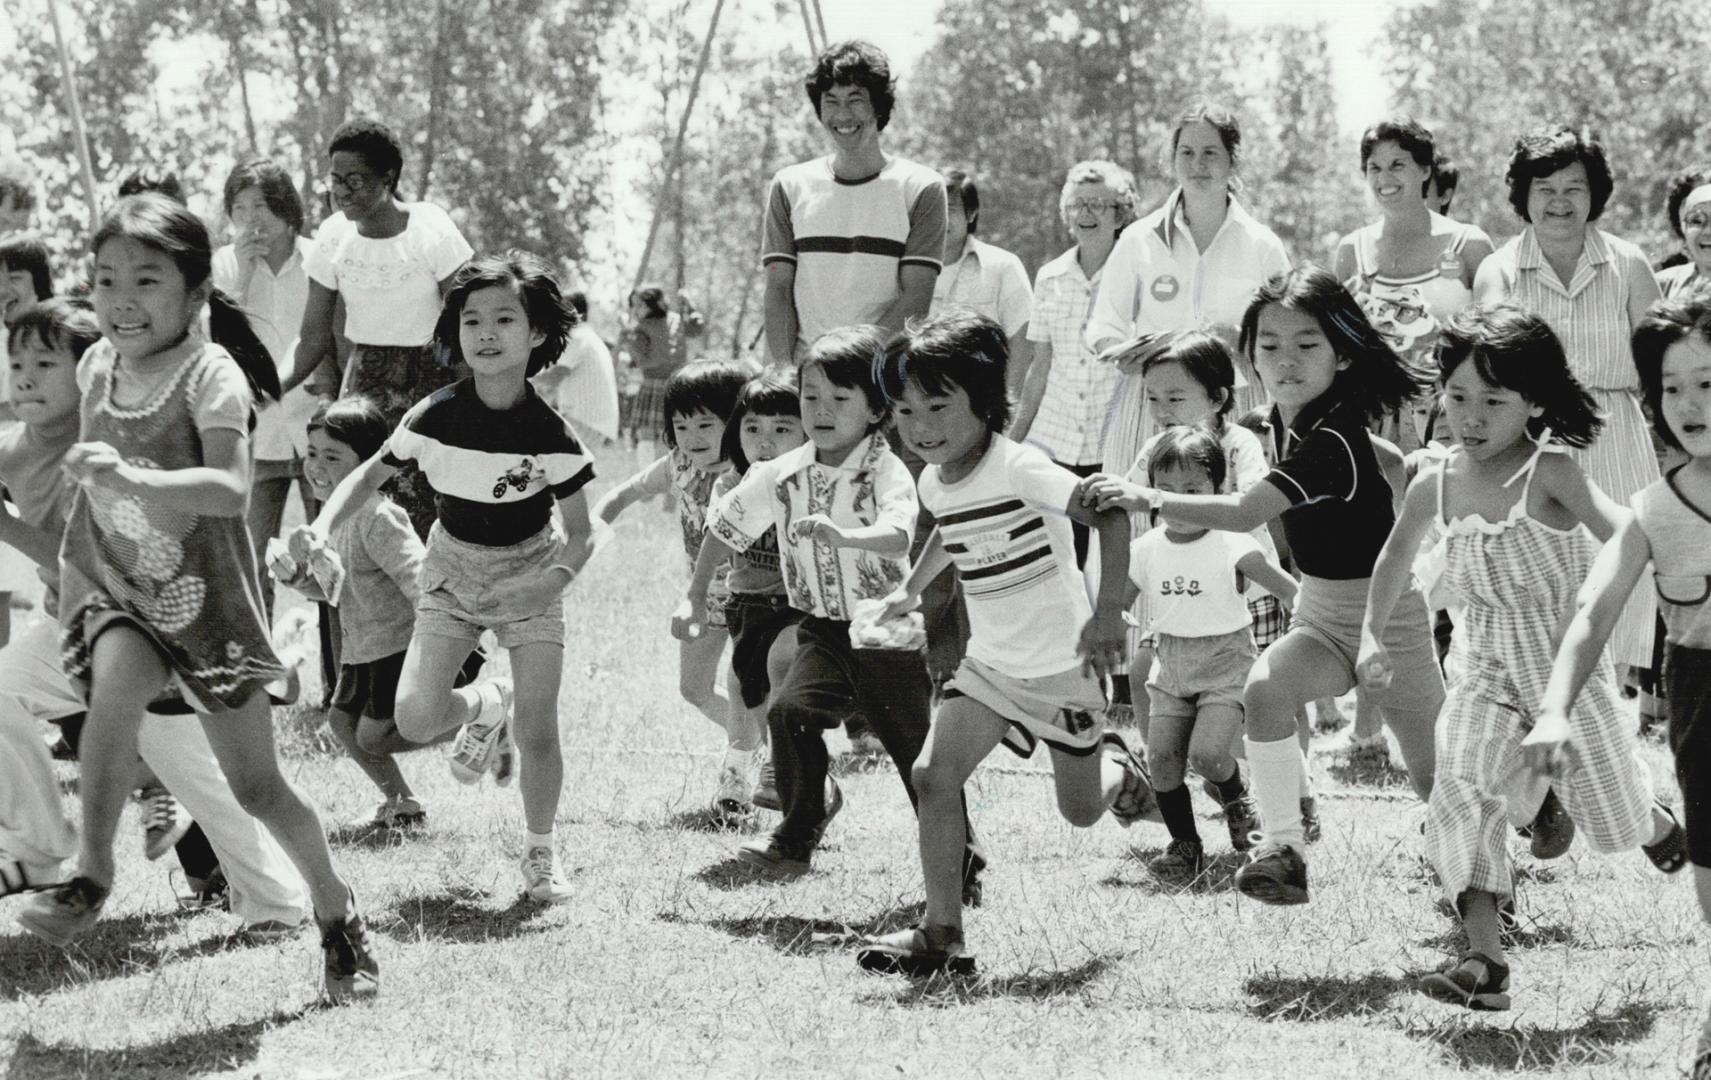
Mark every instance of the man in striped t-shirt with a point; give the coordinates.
(855, 237)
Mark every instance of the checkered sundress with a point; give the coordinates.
(1517, 578)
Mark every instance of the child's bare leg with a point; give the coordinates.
(427, 705)
(1139, 668)
(380, 769)
(536, 669)
(697, 674)
(963, 733)
(126, 674)
(1087, 785)
(1215, 728)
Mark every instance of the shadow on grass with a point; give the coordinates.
(1527, 935)
(193, 1053)
(1324, 997)
(374, 837)
(1218, 876)
(1529, 1048)
(113, 949)
(705, 819)
(945, 991)
(462, 915)
(796, 936)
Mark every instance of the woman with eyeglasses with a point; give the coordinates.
(1689, 209)
(1192, 264)
(391, 262)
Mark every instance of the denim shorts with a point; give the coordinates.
(456, 575)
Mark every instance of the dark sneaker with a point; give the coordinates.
(1552, 829)
(1670, 853)
(1135, 800)
(1181, 859)
(1311, 830)
(778, 856)
(1274, 874)
(1474, 982)
(766, 789)
(65, 911)
(1242, 816)
(351, 971)
(917, 952)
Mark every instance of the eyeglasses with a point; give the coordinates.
(1091, 206)
(352, 182)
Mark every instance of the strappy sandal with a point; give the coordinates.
(1475, 981)
(1670, 853)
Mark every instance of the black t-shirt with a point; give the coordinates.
(1341, 507)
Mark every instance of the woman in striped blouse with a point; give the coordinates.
(1592, 288)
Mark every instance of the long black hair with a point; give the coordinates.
(1517, 350)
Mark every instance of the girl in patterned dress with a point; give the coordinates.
(697, 401)
(158, 577)
(1521, 528)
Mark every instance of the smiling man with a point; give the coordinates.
(857, 236)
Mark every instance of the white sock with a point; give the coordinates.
(1275, 772)
(532, 840)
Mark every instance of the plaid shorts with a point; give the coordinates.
(1270, 617)
(647, 410)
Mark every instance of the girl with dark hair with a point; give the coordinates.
(1592, 289)
(1329, 374)
(1521, 526)
(158, 576)
(391, 262)
(657, 340)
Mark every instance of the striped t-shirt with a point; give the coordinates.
(1004, 526)
(495, 472)
(849, 238)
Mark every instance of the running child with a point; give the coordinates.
(844, 509)
(1194, 582)
(1670, 528)
(698, 399)
(1515, 553)
(497, 458)
(382, 559)
(1329, 374)
(158, 584)
(1036, 651)
(766, 421)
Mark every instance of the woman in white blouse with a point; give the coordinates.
(1191, 264)
(391, 262)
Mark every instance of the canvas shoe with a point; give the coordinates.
(778, 856)
(917, 952)
(398, 812)
(477, 742)
(766, 787)
(733, 796)
(164, 821)
(1274, 874)
(351, 972)
(269, 931)
(1474, 982)
(542, 881)
(1135, 800)
(1181, 859)
(1242, 817)
(211, 893)
(64, 911)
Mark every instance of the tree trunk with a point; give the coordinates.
(436, 98)
(75, 108)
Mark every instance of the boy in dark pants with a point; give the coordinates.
(845, 510)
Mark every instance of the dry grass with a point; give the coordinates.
(674, 961)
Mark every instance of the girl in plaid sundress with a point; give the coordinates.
(1521, 526)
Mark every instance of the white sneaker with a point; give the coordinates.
(735, 793)
(541, 879)
(164, 821)
(474, 750)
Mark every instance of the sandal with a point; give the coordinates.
(1475, 981)
(1670, 853)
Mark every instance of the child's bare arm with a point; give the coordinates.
(1391, 575)
(1262, 570)
(653, 480)
(353, 493)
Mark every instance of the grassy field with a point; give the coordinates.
(673, 961)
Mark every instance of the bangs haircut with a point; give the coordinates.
(1206, 359)
(946, 352)
(1666, 323)
(1549, 149)
(763, 395)
(703, 386)
(528, 277)
(854, 63)
(850, 357)
(277, 191)
(1188, 447)
(1517, 350)
(1377, 380)
(57, 323)
(26, 253)
(355, 421)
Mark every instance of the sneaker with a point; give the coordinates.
(164, 821)
(541, 878)
(65, 911)
(1474, 982)
(777, 856)
(269, 931)
(733, 796)
(1242, 817)
(1135, 800)
(1274, 874)
(473, 751)
(351, 971)
(1552, 828)
(917, 952)
(398, 812)
(1311, 830)
(1181, 859)
(211, 893)
(766, 787)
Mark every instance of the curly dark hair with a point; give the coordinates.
(855, 63)
(374, 143)
(1551, 148)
